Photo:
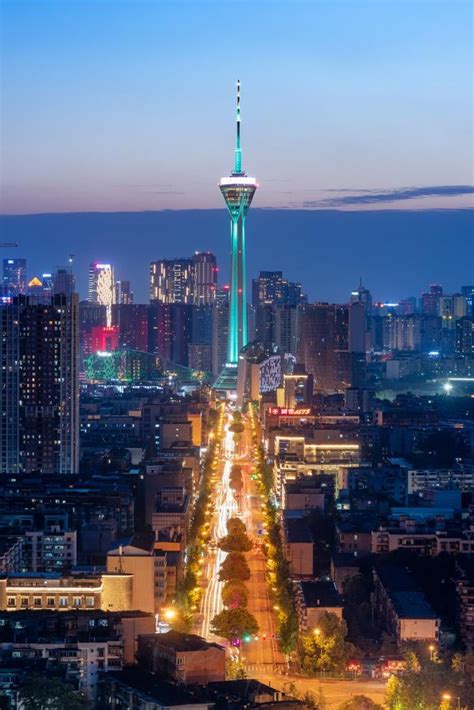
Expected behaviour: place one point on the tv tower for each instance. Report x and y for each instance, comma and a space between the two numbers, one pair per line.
238, 191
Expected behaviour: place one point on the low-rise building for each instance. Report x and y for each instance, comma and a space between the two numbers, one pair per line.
51, 590
184, 658
465, 601
138, 556
402, 607
314, 600
11, 553
134, 688
299, 546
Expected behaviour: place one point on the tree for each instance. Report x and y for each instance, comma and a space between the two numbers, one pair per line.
327, 649
412, 662
41, 693
236, 527
360, 702
235, 670
236, 543
235, 594
233, 624
234, 567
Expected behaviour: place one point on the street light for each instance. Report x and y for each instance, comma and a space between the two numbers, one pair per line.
448, 698
431, 649
317, 631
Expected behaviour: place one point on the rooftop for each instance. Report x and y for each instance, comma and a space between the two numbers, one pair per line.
297, 530
320, 594
179, 641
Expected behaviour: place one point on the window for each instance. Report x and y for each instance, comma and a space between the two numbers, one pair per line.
62, 601
24, 602
11, 601
37, 601
89, 601
180, 661
76, 601
51, 601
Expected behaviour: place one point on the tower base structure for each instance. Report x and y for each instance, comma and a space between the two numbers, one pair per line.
225, 386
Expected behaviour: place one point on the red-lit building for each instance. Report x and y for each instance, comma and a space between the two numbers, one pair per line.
131, 320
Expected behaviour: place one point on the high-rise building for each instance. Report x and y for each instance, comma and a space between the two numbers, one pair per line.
468, 293
91, 315
39, 386
14, 276
123, 292
268, 288
205, 278
362, 295
286, 328
172, 281
132, 322
102, 286
430, 300
238, 190
63, 282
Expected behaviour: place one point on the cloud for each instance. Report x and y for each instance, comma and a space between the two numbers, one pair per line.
368, 197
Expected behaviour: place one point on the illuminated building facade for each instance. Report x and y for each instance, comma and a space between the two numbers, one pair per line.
172, 281
14, 276
39, 385
102, 286
238, 191
205, 278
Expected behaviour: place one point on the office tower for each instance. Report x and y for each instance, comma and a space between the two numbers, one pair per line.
407, 306
286, 328
265, 324
102, 286
91, 315
181, 332
39, 385
14, 276
362, 295
35, 287
63, 282
123, 292
468, 293
430, 300
205, 278
238, 191
220, 331
293, 294
172, 281
159, 330
132, 322
464, 337
170, 328
47, 281
324, 345
269, 288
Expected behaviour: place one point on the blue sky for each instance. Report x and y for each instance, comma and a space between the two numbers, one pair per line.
112, 105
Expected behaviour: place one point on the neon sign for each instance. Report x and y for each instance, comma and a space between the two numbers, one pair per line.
289, 411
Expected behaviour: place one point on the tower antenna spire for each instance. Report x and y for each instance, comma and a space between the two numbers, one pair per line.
238, 151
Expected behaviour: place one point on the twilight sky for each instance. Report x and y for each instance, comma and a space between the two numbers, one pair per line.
111, 105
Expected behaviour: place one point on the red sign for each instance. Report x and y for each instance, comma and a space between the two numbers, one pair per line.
289, 411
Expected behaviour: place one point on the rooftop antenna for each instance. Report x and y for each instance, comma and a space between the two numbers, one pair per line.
238, 151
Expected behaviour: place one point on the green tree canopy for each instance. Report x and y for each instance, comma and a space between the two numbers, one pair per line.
236, 527
236, 543
48, 693
360, 702
326, 649
233, 624
235, 594
234, 567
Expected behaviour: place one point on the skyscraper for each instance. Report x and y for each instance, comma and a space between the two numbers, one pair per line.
14, 276
172, 281
238, 191
102, 287
63, 282
39, 385
205, 278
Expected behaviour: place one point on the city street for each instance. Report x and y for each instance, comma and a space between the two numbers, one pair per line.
262, 657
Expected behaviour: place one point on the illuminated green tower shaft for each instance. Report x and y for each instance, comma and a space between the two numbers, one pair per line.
238, 191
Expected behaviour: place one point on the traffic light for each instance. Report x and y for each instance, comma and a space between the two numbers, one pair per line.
247, 638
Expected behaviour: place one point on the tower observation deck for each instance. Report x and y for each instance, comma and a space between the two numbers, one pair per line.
238, 190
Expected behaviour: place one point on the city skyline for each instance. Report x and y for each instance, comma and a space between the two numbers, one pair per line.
100, 138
